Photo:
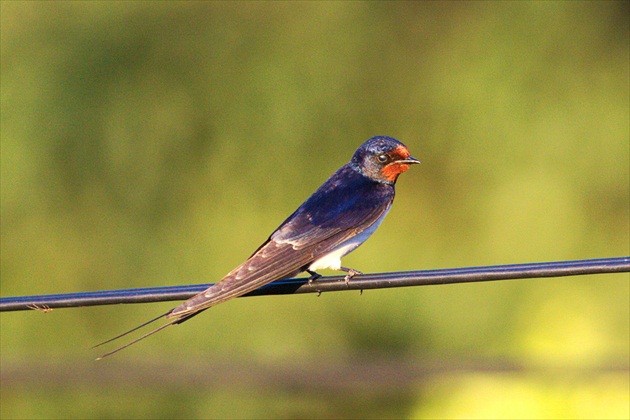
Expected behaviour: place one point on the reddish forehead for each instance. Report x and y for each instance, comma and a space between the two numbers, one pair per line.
400, 152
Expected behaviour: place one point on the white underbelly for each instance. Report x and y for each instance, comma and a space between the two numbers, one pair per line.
332, 260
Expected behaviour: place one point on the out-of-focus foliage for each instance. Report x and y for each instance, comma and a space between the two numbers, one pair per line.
155, 143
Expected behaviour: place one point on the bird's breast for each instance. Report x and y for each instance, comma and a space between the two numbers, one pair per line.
332, 259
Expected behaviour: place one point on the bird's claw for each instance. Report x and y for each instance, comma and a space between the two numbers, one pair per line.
351, 273
314, 276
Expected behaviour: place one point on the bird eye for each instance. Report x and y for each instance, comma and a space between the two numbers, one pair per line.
383, 158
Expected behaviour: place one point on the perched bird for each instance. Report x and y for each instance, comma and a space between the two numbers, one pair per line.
332, 222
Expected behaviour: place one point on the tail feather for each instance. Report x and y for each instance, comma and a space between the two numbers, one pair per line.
132, 330
150, 333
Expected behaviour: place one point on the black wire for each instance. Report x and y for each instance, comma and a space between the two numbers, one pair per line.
328, 284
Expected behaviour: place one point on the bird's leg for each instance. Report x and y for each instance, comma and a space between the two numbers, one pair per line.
351, 273
314, 276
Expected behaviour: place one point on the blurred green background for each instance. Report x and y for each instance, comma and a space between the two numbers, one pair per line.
148, 144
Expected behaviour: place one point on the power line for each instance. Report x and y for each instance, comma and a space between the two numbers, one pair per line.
328, 284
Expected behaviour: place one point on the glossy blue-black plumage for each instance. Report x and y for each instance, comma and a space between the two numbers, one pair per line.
344, 206
334, 220
348, 200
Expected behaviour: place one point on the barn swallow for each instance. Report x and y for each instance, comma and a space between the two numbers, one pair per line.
332, 222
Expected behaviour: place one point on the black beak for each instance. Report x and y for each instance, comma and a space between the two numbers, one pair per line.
409, 160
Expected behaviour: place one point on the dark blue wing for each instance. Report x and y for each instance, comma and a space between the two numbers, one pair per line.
344, 206
347, 201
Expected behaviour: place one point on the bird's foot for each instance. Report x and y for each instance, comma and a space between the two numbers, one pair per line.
351, 273
314, 276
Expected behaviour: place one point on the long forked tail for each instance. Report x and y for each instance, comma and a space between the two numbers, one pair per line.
131, 330
160, 328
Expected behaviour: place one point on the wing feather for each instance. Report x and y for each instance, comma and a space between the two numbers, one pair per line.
335, 213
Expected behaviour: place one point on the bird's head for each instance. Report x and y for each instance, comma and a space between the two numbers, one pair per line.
382, 159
